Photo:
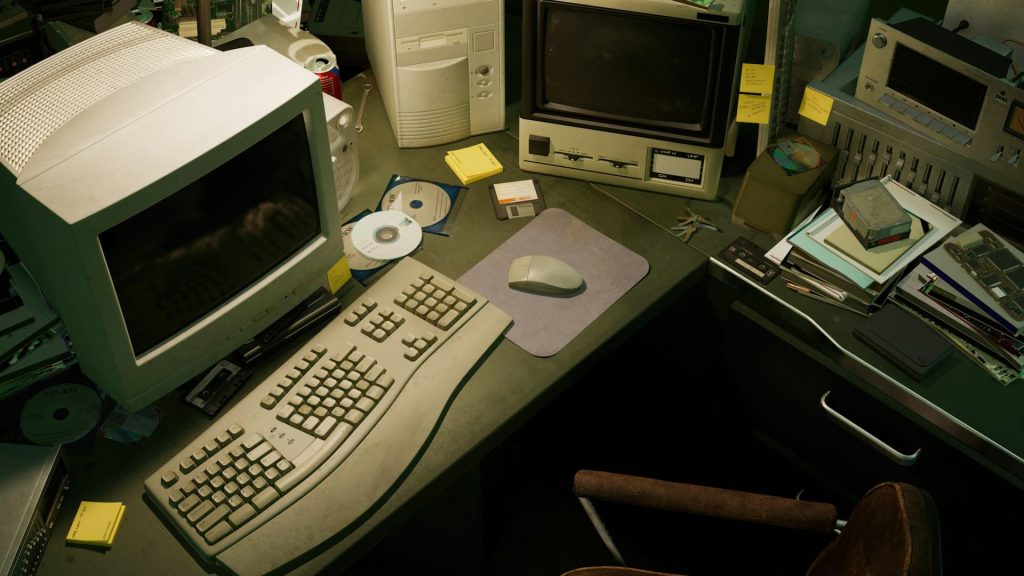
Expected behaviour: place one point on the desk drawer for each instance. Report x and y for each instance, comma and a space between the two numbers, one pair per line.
783, 384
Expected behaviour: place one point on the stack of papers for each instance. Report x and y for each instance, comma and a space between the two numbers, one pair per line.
985, 277
32, 342
96, 523
473, 163
997, 352
878, 265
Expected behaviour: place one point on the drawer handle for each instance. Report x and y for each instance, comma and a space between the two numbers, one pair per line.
889, 452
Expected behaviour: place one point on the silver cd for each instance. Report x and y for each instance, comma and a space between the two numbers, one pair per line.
426, 202
60, 414
386, 235
356, 261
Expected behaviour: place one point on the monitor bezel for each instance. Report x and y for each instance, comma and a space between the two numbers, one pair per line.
69, 239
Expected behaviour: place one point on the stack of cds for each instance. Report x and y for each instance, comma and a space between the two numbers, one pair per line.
408, 208
374, 239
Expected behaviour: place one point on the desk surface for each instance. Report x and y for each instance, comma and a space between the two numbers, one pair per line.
504, 392
969, 410
960, 403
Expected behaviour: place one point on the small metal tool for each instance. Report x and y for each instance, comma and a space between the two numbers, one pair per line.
362, 108
690, 223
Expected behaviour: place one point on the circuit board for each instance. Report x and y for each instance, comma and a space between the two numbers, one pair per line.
179, 16
997, 269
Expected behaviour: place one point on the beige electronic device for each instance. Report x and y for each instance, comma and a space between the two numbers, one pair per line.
948, 87
608, 95
440, 66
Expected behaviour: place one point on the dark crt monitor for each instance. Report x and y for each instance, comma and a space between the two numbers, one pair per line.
638, 93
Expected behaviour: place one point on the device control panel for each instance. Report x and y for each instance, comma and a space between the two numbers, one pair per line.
619, 159
945, 97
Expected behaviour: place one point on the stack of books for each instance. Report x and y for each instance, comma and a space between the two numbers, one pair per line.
33, 342
971, 289
826, 261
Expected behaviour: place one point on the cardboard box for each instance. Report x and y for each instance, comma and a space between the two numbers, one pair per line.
779, 189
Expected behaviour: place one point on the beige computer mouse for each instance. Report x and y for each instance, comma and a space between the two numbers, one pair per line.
543, 275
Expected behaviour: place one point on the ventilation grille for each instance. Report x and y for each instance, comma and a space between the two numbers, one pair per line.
866, 152
425, 128
38, 101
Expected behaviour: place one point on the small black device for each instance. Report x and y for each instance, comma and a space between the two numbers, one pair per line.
217, 387
315, 309
750, 260
905, 340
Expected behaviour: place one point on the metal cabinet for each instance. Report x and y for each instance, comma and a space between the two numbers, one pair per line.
851, 437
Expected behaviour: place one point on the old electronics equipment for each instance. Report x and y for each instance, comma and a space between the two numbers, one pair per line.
440, 66
952, 88
31, 492
173, 210
636, 93
873, 144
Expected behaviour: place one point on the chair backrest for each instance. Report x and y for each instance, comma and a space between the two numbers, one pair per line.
893, 531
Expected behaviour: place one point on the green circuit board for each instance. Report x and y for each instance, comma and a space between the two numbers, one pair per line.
994, 266
179, 16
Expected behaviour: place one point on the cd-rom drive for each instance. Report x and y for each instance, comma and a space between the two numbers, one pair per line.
440, 67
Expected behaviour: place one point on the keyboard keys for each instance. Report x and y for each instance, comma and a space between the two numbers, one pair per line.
265, 498
168, 478
242, 515
200, 510
224, 481
217, 533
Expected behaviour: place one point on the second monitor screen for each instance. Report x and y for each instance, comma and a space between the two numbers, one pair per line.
629, 67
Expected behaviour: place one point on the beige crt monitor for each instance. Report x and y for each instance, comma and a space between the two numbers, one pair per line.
171, 200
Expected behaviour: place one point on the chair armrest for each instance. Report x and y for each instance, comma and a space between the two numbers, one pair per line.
706, 501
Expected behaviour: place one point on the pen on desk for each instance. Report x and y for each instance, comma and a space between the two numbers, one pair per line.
822, 287
805, 291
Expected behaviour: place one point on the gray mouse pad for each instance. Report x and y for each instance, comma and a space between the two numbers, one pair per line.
545, 324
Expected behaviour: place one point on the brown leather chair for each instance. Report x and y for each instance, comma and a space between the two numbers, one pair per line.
893, 530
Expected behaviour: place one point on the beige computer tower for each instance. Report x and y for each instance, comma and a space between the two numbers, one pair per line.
440, 67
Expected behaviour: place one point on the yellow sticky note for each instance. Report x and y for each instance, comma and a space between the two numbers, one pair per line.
816, 106
338, 275
96, 523
753, 109
757, 78
473, 163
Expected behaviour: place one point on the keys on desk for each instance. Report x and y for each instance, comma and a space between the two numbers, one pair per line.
402, 349
690, 222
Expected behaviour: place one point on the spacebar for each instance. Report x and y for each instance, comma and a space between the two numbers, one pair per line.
289, 481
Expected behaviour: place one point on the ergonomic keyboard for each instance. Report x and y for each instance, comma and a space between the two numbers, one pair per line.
312, 449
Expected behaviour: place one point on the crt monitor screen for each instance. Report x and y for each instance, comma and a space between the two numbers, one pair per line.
181, 258
628, 68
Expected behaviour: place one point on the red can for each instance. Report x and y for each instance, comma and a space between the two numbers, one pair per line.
326, 67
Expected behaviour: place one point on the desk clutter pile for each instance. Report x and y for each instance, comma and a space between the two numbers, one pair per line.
965, 287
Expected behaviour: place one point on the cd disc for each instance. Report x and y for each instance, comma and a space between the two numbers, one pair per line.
60, 414
386, 235
356, 261
426, 202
